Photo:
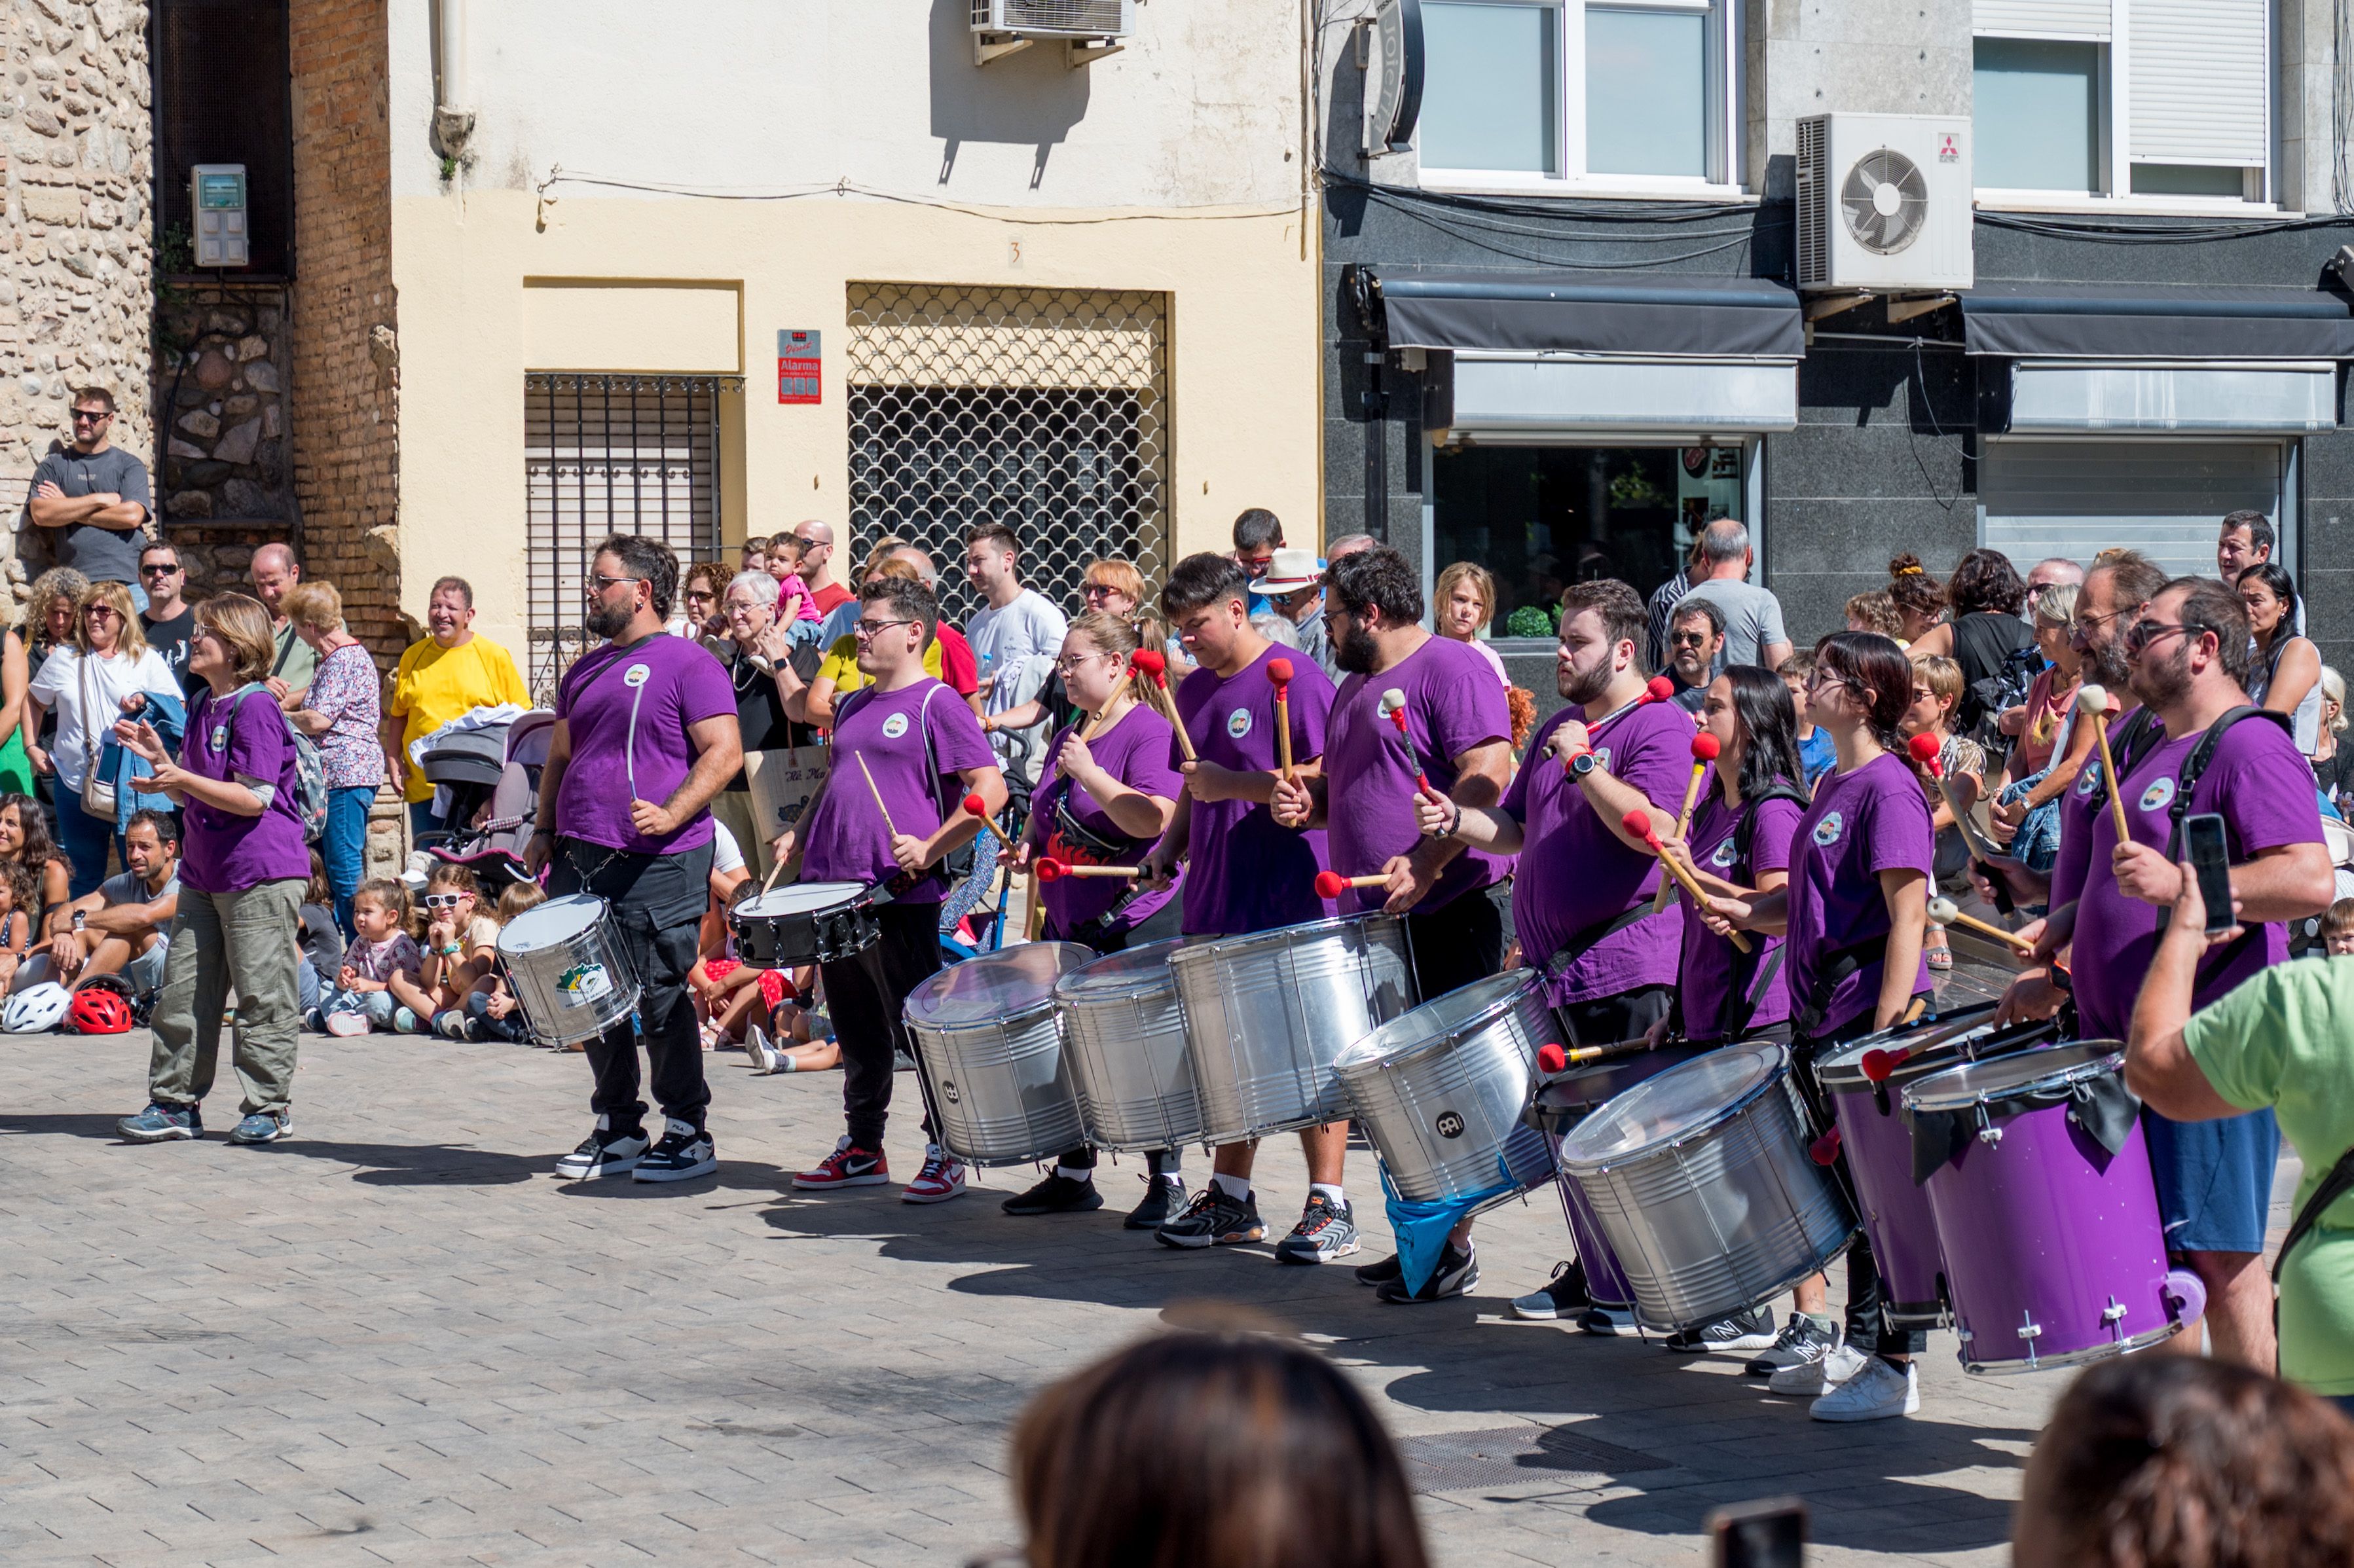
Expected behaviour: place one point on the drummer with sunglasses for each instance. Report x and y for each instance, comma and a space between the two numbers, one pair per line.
645, 735
1104, 801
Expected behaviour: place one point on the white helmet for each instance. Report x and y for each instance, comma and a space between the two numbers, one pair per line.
36, 1010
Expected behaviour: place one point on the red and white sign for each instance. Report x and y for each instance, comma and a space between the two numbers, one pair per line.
800, 367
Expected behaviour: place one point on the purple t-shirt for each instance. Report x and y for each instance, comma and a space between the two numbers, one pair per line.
1452, 703
2262, 789
1246, 872
1706, 975
1574, 873
630, 740
1136, 752
846, 838
1861, 825
244, 734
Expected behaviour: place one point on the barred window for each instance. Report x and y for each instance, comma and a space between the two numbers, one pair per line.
611, 454
1045, 409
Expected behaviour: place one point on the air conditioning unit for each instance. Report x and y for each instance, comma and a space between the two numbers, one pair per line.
1884, 202
1054, 18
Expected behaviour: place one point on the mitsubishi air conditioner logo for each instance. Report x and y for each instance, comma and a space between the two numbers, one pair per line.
1949, 148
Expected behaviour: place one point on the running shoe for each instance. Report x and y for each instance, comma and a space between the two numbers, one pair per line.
766, 1058
604, 1153
262, 1126
1563, 1297
846, 1167
450, 1024
1825, 1372
1874, 1393
1213, 1219
1379, 1274
345, 1025
1457, 1273
1057, 1195
941, 1178
160, 1123
685, 1152
1749, 1330
1324, 1232
1803, 1340
1163, 1196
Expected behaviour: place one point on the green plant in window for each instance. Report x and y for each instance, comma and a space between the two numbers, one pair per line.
1634, 488
1530, 620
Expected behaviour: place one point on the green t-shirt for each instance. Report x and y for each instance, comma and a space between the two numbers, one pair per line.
2286, 1039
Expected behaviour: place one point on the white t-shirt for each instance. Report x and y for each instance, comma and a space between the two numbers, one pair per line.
1028, 628
726, 854
59, 686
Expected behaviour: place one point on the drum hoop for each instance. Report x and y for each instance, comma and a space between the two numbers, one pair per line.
1210, 949
1003, 1023
604, 912
1421, 1050
741, 910
1141, 982
1725, 1114
2101, 1067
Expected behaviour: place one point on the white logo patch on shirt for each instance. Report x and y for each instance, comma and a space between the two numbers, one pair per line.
2159, 794
221, 736
1238, 723
2090, 779
1724, 855
1602, 757
636, 675
1828, 830
895, 726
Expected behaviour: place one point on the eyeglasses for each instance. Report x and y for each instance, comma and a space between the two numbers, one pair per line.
1097, 590
599, 582
1070, 663
1688, 639
158, 568
445, 900
2142, 633
706, 595
98, 611
872, 628
91, 415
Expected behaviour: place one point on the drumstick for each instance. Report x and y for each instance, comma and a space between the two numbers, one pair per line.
1946, 913
1331, 884
2093, 702
1095, 725
878, 794
1149, 664
1055, 870
1555, 1059
1279, 671
1394, 709
1659, 689
1704, 750
1924, 750
1638, 823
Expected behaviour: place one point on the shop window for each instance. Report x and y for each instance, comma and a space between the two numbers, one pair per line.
1541, 518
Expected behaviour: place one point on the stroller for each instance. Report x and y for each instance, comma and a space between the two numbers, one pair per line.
493, 777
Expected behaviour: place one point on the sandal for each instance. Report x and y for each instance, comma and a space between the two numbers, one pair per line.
1936, 952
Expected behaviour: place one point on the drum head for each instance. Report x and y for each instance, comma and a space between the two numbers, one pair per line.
547, 925
1969, 1034
1448, 1017
2006, 1078
1680, 1101
994, 985
1139, 971
799, 899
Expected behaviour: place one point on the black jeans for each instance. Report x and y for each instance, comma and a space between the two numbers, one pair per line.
1456, 945
1608, 1020
657, 903
1161, 925
866, 1021
1866, 1292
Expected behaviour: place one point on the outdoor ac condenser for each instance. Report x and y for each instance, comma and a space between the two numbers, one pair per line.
1054, 18
1884, 202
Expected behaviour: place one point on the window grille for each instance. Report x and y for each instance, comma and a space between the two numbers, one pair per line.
1045, 409
611, 454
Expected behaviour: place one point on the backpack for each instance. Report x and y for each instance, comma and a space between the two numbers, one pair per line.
310, 773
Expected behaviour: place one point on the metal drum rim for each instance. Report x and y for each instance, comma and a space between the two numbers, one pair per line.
604, 909
1936, 1102
1002, 1025
1144, 983
1209, 949
1669, 1140
1365, 1057
2069, 1359
1841, 1073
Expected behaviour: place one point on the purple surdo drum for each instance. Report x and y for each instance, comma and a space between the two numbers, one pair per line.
1862, 1081
2039, 1185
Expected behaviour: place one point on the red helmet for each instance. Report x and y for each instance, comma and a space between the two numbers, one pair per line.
98, 1011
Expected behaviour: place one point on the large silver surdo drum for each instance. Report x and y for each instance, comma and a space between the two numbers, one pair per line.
989, 1040
1266, 1014
1440, 1091
1124, 1036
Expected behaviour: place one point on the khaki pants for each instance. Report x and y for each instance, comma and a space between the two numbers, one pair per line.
219, 940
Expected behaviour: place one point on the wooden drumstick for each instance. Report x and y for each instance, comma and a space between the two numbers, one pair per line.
1278, 672
1924, 750
1638, 823
2093, 703
878, 794
1154, 667
1945, 912
1556, 1059
1055, 870
1095, 725
1331, 884
1704, 750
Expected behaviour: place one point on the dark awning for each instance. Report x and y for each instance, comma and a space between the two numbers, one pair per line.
2140, 321
1639, 314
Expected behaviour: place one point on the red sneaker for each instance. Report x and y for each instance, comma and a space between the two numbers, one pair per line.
942, 1177
846, 1167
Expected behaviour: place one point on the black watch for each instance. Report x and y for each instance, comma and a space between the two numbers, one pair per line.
1583, 763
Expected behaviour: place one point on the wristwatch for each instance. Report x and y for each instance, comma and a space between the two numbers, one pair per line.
1583, 763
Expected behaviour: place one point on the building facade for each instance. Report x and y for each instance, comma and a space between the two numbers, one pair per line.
1565, 323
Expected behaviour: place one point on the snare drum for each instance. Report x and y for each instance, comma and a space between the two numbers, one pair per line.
1440, 1091
990, 1042
807, 922
1125, 1037
2054, 1251
1701, 1183
569, 972
1266, 1014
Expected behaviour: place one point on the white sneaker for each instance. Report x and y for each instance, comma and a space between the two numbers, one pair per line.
1810, 1378
1875, 1393
766, 1057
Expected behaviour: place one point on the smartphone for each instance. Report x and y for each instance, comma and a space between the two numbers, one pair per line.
2211, 858
1770, 1534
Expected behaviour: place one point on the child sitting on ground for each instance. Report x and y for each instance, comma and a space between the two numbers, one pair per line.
363, 996
20, 894
461, 942
491, 1012
321, 939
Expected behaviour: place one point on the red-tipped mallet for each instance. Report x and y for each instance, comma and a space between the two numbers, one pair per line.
1638, 824
1394, 709
1279, 675
1704, 750
1154, 665
1055, 870
1658, 689
1552, 1059
1331, 884
1925, 750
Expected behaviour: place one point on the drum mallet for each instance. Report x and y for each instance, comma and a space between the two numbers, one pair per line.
1553, 1059
1055, 870
1331, 884
1924, 750
1946, 913
1638, 824
2093, 703
1278, 675
877, 792
1394, 709
1150, 663
1095, 725
1704, 750
1659, 689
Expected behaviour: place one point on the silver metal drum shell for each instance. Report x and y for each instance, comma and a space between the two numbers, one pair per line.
1132, 1066
533, 975
1003, 1090
1443, 1119
1728, 1216
1266, 1014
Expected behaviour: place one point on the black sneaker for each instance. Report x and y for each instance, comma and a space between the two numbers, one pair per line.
1213, 1219
1163, 1196
685, 1152
1563, 1296
1057, 1195
1378, 1274
1802, 1342
1457, 1273
1323, 1232
604, 1153
1749, 1330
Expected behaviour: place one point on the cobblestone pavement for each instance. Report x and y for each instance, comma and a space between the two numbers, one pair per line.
396, 1338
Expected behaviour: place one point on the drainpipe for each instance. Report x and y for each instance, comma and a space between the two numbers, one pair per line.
453, 121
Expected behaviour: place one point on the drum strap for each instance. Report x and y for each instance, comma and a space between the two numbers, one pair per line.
1580, 942
1842, 963
1741, 1002
2194, 767
2334, 1186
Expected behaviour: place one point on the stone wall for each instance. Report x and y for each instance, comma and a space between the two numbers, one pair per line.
222, 373
75, 237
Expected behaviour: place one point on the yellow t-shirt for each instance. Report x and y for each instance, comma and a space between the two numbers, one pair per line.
435, 684
841, 665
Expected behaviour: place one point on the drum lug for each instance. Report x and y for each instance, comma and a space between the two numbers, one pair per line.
2112, 1317
1988, 1134
2030, 1331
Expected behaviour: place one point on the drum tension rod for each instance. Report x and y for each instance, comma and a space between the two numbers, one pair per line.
2030, 1331
2112, 1317
1988, 1134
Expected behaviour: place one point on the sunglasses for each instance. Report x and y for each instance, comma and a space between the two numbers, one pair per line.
445, 900
98, 611
1687, 640
2142, 633
158, 568
86, 417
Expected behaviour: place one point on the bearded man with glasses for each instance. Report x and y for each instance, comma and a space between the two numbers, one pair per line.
94, 497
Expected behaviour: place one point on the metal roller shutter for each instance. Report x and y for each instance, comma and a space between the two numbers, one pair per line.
2075, 498
2199, 82
2043, 18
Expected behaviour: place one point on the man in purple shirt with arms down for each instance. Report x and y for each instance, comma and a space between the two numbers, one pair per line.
645, 735
1457, 745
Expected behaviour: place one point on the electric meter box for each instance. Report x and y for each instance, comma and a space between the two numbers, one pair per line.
217, 197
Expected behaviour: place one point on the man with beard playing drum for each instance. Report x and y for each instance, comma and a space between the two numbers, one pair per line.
913, 752
1108, 792
1418, 717
1244, 873
645, 735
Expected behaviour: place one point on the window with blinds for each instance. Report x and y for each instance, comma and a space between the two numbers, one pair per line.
611, 454
2075, 499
